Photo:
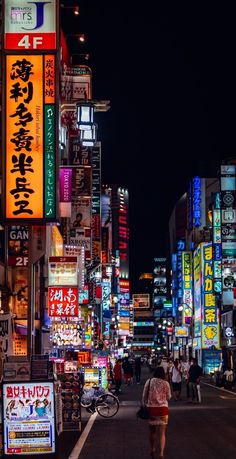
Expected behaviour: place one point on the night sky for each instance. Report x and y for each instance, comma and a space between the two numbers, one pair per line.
170, 76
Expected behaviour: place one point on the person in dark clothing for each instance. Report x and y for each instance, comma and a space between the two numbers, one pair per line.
117, 373
137, 369
194, 375
128, 371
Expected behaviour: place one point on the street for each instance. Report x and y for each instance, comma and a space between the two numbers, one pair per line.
196, 431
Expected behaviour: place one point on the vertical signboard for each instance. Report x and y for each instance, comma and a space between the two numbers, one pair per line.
217, 252
187, 287
24, 137
197, 291
210, 316
228, 232
123, 232
30, 110
96, 203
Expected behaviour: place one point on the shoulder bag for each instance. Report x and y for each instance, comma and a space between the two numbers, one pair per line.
143, 413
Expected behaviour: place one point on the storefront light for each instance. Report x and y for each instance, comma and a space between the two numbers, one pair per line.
88, 137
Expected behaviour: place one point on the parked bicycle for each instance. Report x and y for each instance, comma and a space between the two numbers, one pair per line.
98, 399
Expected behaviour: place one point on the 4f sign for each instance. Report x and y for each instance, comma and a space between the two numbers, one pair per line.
30, 25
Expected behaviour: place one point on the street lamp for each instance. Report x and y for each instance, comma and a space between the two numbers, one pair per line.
85, 112
88, 137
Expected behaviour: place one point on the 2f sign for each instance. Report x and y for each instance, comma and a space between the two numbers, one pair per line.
28, 42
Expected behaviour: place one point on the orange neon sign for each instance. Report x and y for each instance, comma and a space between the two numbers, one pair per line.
24, 137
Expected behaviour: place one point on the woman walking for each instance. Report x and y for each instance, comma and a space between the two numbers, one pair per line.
156, 394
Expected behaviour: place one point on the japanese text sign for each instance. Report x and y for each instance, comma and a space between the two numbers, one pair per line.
28, 418
210, 317
63, 301
30, 25
30, 137
187, 287
62, 271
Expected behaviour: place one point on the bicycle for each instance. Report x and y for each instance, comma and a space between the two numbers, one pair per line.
106, 404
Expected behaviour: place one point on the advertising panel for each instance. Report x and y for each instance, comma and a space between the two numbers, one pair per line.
141, 300
181, 332
66, 333
6, 334
62, 271
30, 137
63, 302
197, 291
30, 25
81, 237
81, 213
18, 245
210, 316
187, 287
28, 418
65, 181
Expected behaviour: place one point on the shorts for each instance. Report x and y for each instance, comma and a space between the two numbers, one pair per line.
176, 386
159, 421
158, 416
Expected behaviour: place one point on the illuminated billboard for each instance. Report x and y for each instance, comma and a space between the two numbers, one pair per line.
197, 291
187, 287
28, 418
63, 301
30, 159
210, 315
30, 25
141, 300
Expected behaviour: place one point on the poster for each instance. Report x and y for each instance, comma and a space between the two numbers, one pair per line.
5, 334
28, 418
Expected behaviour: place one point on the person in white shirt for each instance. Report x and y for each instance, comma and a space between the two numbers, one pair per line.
164, 364
176, 378
228, 378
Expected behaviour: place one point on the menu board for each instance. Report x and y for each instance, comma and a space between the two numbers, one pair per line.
71, 407
28, 418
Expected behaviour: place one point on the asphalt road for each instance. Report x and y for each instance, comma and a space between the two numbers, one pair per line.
200, 431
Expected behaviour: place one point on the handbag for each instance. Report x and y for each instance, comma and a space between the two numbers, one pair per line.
143, 412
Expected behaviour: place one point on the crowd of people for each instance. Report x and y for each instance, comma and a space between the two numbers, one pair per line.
125, 370
166, 380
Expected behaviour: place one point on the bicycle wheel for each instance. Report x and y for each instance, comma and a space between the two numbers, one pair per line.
107, 405
85, 402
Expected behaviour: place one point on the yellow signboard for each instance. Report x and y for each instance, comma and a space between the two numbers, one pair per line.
24, 137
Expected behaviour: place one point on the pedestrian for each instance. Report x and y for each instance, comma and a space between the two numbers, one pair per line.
194, 375
159, 393
184, 367
176, 378
137, 369
164, 364
228, 378
117, 371
128, 371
